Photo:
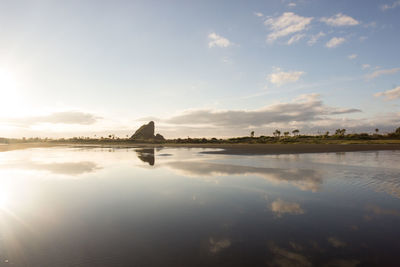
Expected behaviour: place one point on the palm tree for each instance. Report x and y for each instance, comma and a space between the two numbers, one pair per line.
277, 133
295, 132
252, 134
376, 130
340, 132
286, 134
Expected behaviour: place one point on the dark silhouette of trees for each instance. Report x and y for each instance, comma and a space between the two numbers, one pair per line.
340, 132
277, 133
286, 134
296, 132
252, 134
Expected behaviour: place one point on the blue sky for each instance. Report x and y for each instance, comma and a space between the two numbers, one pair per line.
198, 68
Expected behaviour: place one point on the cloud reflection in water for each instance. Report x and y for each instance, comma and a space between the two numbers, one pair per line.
280, 207
304, 179
64, 168
218, 245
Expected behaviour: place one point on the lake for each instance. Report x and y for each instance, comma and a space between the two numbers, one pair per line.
82, 206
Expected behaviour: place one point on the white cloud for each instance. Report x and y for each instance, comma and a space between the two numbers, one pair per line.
372, 24
295, 38
227, 60
286, 24
200, 123
306, 108
363, 38
307, 113
258, 14
382, 72
340, 20
390, 94
334, 42
65, 117
393, 5
292, 4
280, 77
365, 66
314, 38
217, 40
352, 56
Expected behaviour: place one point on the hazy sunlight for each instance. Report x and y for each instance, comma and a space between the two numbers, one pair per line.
199, 133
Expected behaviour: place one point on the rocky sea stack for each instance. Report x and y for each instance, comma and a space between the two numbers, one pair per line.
146, 133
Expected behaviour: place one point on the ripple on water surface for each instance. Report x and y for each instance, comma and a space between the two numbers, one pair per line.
178, 207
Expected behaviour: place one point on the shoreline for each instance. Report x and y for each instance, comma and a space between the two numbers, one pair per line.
277, 149
228, 149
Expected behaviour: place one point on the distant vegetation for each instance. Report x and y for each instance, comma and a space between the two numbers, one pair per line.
294, 137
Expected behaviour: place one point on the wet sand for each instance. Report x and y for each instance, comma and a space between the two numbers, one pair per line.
268, 149
232, 149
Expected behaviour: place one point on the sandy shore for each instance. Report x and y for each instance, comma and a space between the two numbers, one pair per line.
234, 149
268, 149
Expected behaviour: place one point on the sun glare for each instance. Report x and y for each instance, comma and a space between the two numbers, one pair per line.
8, 81
8, 90
3, 200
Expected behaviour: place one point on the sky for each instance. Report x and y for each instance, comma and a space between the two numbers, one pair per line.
198, 68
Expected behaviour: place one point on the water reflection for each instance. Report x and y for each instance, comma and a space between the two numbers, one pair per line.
121, 214
216, 245
65, 168
283, 257
381, 211
305, 179
146, 155
335, 242
281, 207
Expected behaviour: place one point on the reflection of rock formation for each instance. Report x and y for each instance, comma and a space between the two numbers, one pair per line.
146, 155
301, 178
146, 132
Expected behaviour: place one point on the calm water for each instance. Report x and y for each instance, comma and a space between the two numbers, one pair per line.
180, 207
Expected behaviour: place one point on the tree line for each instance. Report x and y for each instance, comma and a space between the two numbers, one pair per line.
277, 136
